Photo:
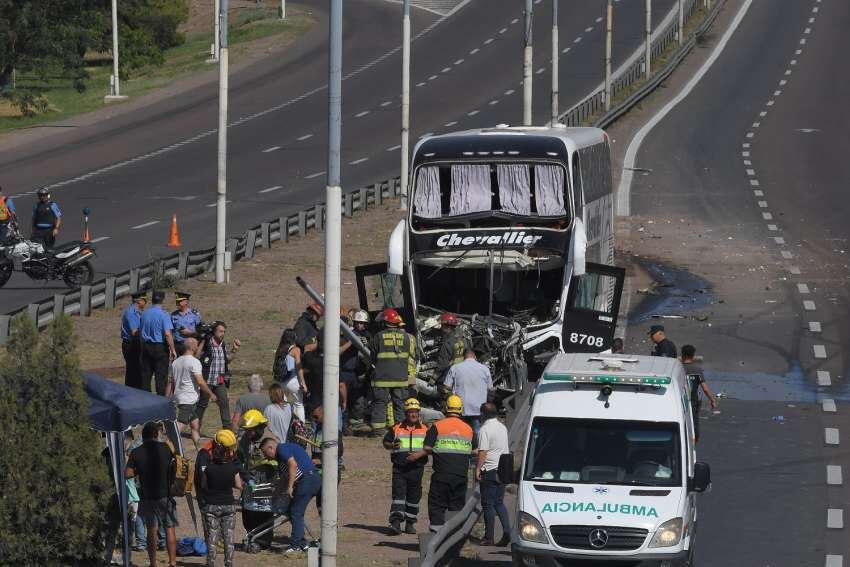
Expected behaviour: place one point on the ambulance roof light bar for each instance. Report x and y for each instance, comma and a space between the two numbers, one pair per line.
603, 379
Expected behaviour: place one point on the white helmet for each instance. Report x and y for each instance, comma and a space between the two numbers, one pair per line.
361, 317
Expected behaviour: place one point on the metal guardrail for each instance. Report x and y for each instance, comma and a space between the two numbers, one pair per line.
106, 292
594, 103
437, 548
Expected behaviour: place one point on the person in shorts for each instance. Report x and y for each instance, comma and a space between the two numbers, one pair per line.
187, 381
153, 463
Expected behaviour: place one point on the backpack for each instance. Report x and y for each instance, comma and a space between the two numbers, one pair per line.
184, 476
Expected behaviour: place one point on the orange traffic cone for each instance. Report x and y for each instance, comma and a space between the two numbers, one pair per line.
174, 241
86, 235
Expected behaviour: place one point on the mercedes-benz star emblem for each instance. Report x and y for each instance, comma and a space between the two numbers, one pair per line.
598, 539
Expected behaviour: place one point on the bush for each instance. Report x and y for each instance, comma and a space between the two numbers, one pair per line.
54, 486
146, 29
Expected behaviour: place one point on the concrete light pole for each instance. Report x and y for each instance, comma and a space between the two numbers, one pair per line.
333, 256
648, 54
115, 88
221, 260
405, 101
609, 28
528, 62
555, 54
282, 9
681, 33
216, 48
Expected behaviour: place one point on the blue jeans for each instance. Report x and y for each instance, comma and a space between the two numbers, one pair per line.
492, 502
474, 421
141, 533
305, 489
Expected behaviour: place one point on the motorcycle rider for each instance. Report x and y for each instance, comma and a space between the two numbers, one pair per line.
46, 219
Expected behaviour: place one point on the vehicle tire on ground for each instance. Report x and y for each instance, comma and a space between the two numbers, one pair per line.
6, 269
79, 274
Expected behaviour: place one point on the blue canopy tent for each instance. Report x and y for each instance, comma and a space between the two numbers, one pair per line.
113, 409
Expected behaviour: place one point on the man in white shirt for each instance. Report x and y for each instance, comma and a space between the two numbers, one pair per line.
470, 380
492, 444
187, 381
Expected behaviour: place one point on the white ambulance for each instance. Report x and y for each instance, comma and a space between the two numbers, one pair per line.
609, 470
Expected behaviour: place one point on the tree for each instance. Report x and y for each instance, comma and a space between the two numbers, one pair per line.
54, 486
146, 28
46, 38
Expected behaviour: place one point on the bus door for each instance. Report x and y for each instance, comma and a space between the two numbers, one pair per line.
377, 289
593, 305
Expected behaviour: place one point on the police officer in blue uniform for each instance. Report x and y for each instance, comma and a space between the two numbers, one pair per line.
131, 340
46, 219
157, 344
184, 318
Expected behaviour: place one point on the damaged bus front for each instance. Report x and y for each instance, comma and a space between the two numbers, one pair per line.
511, 229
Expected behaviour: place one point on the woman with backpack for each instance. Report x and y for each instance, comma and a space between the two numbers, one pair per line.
288, 371
218, 479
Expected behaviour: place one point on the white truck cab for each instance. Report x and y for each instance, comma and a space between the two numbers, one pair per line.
608, 471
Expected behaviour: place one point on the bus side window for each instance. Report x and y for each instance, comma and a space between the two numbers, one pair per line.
578, 193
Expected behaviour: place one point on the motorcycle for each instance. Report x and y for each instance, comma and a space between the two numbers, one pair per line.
69, 261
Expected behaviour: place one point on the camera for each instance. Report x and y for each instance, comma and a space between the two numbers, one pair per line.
203, 328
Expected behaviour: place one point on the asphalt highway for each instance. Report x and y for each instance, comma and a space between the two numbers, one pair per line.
135, 171
755, 160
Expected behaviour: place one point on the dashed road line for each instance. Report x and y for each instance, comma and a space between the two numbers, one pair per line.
450, 124
802, 288
474, 51
393, 148
824, 378
271, 149
386, 103
144, 225
809, 305
509, 92
830, 435
833, 475
305, 137
815, 327
358, 161
270, 189
314, 175
99, 239
362, 114
819, 351
834, 561
828, 405
472, 112
794, 270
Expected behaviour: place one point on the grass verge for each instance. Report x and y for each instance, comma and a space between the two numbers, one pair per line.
249, 27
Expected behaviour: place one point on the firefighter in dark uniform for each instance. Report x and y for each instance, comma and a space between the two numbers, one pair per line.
307, 326
394, 357
184, 318
46, 219
452, 347
257, 502
450, 442
663, 346
403, 439
131, 340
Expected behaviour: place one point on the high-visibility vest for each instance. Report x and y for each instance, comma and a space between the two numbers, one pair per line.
454, 436
410, 438
4, 209
395, 359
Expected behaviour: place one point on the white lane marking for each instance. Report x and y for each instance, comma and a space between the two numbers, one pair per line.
358, 161
576, 40
474, 51
798, 52
211, 205
758, 193
144, 225
541, 70
270, 189
756, 124
807, 30
566, 50
393, 148
828, 405
515, 20
787, 255
831, 437
271, 149
793, 62
362, 114
432, 77
779, 240
834, 516
809, 305
305, 137
795, 271
503, 30
819, 350
446, 69
385, 103
587, 30
754, 182
473, 112
488, 41
772, 227
834, 561
494, 102
99, 239
824, 379
763, 113
803, 288
750, 134
422, 84
803, 41
751, 172
426, 135
747, 162
777, 93
624, 190
783, 82
745, 145
767, 216
833, 474
459, 62
450, 124
763, 204
814, 326
509, 92
770, 103
597, 20
745, 154
313, 175
787, 72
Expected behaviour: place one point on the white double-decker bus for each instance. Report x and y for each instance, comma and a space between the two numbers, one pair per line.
511, 229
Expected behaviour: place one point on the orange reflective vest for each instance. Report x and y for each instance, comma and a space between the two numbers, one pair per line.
5, 214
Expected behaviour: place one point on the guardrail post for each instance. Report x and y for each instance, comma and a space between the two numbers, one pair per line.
266, 235
85, 300
364, 198
302, 223
32, 312
348, 205
134, 280
284, 229
58, 305
183, 265
251, 243
394, 187
379, 194
232, 245
109, 292
5, 328
320, 218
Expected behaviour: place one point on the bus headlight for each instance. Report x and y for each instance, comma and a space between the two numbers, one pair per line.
530, 529
668, 534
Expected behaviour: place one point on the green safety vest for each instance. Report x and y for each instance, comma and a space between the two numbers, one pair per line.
394, 355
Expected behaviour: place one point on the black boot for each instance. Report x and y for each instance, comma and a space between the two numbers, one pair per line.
410, 528
395, 527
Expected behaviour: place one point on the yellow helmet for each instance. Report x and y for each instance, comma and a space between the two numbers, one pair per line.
412, 404
454, 404
253, 418
226, 438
